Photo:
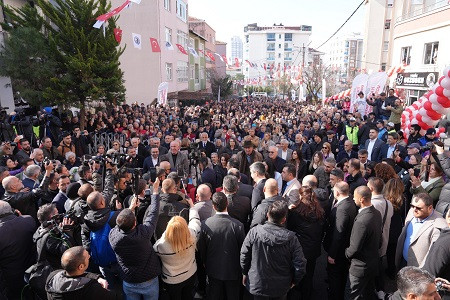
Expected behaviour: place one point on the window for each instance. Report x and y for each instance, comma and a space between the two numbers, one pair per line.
202, 52
288, 37
406, 55
430, 53
197, 74
168, 72
270, 37
270, 46
387, 24
167, 5
385, 46
271, 56
182, 71
383, 67
182, 39
279, 55
191, 43
168, 35
279, 46
181, 10
279, 36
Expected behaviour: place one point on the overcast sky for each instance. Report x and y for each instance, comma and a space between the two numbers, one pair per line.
229, 17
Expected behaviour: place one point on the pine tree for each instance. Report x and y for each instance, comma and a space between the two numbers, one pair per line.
87, 59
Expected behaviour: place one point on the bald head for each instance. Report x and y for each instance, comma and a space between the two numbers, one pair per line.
203, 192
95, 201
168, 186
75, 260
310, 181
85, 190
270, 188
12, 184
165, 165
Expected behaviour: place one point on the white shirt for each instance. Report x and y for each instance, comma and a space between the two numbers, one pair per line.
154, 161
284, 154
370, 148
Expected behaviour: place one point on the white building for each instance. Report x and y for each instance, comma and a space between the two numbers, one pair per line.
420, 42
345, 55
236, 48
276, 45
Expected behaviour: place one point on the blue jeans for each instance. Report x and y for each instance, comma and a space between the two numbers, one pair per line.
148, 290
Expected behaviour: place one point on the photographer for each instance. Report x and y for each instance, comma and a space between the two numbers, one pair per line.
81, 141
24, 126
396, 112
54, 236
25, 202
85, 173
50, 125
432, 185
50, 151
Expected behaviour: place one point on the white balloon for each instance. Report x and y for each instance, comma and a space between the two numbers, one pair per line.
433, 98
423, 111
414, 121
446, 93
445, 83
442, 135
438, 108
427, 120
407, 131
447, 72
434, 87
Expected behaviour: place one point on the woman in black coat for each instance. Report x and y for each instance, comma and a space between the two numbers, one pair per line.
306, 218
301, 166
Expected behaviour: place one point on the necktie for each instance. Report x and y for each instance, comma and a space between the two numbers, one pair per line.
283, 187
334, 202
204, 145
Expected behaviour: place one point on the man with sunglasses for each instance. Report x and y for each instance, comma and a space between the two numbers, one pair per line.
422, 228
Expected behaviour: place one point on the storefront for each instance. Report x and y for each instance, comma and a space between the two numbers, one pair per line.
415, 84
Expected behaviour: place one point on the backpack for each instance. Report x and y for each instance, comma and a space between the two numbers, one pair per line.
101, 251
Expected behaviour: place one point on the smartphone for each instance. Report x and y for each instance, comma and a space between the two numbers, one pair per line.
416, 172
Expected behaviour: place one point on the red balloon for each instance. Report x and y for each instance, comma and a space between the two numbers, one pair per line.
444, 101
427, 105
440, 79
419, 118
428, 94
423, 125
433, 115
415, 105
439, 91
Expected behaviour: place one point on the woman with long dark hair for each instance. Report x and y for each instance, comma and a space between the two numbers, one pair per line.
306, 218
300, 164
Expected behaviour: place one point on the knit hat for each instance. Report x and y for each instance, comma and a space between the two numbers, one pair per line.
72, 190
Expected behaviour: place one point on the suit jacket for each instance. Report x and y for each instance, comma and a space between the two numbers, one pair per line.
59, 201
421, 242
292, 191
142, 151
376, 150
30, 183
365, 240
209, 148
182, 163
219, 244
239, 207
148, 165
209, 176
340, 223
289, 154
137, 162
205, 209
342, 154
385, 147
277, 164
257, 193
245, 190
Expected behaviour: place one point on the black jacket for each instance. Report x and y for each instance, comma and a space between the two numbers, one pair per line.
95, 220
260, 213
272, 259
81, 144
340, 223
309, 232
355, 181
18, 252
258, 194
245, 190
443, 204
219, 244
134, 251
55, 245
239, 208
438, 258
365, 241
59, 286
210, 148
170, 206
27, 202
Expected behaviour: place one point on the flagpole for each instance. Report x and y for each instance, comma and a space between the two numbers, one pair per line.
218, 95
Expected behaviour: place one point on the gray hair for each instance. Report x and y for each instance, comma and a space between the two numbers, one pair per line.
330, 160
37, 150
7, 181
32, 170
413, 280
230, 183
70, 154
5, 207
284, 141
258, 168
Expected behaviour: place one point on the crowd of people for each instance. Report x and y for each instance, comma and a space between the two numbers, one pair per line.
230, 200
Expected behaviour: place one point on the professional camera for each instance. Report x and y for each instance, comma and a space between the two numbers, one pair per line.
194, 154
46, 161
430, 146
116, 159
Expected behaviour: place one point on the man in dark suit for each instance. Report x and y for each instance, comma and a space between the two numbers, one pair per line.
135, 161
219, 244
61, 198
347, 153
258, 173
152, 161
270, 196
207, 174
365, 240
140, 149
178, 161
337, 239
239, 207
206, 145
244, 189
274, 160
388, 149
373, 145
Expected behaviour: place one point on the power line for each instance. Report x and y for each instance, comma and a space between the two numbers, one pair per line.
342, 24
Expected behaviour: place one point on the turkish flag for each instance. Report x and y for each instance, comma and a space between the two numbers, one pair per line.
210, 55
118, 34
155, 45
236, 62
181, 49
265, 68
225, 59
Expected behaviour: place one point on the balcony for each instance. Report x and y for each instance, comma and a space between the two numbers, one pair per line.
423, 10
287, 49
270, 49
288, 58
271, 58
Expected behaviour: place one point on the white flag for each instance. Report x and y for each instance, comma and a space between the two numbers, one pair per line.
169, 46
192, 51
98, 24
136, 1
137, 43
220, 56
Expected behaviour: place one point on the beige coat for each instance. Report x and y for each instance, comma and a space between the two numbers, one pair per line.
422, 241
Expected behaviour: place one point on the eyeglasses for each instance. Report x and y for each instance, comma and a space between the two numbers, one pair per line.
325, 148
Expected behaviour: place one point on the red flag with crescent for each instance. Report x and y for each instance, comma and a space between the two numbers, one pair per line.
118, 34
155, 45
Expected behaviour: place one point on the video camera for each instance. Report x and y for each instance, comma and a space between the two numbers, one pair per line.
430, 146
194, 154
